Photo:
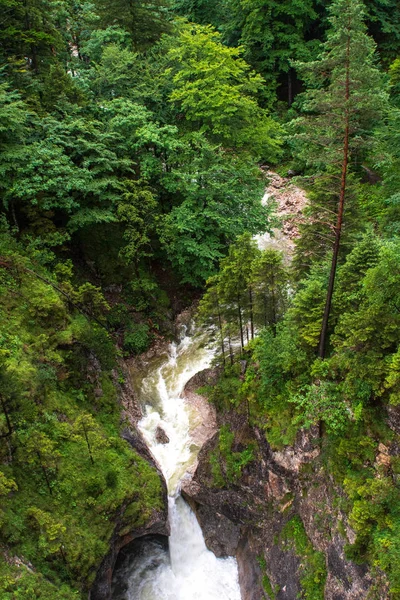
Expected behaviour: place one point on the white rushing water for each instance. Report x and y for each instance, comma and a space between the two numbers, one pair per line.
187, 571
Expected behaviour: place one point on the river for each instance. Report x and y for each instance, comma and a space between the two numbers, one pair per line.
185, 569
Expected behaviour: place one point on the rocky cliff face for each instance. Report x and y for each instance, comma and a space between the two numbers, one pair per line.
282, 518
125, 530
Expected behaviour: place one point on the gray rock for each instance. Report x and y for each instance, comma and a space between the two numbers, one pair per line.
161, 436
393, 418
252, 513
221, 535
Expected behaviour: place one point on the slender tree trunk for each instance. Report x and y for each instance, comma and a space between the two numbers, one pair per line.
221, 331
339, 220
251, 313
62, 552
32, 46
240, 322
265, 310
230, 345
14, 216
44, 472
274, 311
88, 444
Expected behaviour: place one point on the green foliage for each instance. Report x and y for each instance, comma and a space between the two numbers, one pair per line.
274, 34
267, 586
145, 20
345, 100
215, 88
137, 211
136, 339
286, 387
250, 291
226, 394
221, 200
29, 34
19, 582
227, 464
394, 73
70, 472
313, 569
128, 146
324, 103
322, 401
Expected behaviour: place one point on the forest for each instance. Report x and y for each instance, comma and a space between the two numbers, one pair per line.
134, 140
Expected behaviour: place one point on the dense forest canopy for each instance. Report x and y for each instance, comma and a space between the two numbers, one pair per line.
132, 133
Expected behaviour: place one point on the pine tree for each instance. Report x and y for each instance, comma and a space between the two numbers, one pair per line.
145, 20
211, 312
236, 283
345, 100
28, 36
273, 33
269, 281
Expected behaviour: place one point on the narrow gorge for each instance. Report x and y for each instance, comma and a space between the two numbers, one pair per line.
280, 519
169, 426
199, 300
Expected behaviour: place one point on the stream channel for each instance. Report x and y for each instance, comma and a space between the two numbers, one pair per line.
183, 569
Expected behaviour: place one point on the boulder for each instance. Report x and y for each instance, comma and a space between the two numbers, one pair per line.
161, 436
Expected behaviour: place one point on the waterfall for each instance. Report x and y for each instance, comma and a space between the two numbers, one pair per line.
188, 570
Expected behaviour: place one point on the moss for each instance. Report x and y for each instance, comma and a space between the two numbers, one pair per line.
342, 529
71, 474
313, 569
267, 587
18, 582
226, 464
266, 583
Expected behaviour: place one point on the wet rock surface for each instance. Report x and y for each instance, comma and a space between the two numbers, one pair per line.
289, 201
393, 418
204, 423
220, 533
161, 436
250, 572
156, 524
274, 489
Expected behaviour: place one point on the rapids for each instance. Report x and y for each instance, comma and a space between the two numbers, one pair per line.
186, 570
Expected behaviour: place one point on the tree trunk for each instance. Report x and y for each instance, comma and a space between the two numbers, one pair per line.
251, 313
339, 220
44, 472
265, 310
274, 315
88, 444
240, 322
221, 331
230, 345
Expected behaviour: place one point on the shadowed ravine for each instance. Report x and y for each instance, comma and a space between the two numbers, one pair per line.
186, 569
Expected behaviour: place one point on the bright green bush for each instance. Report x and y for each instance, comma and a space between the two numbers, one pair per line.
137, 338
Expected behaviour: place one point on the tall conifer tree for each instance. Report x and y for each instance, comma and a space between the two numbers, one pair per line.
345, 101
